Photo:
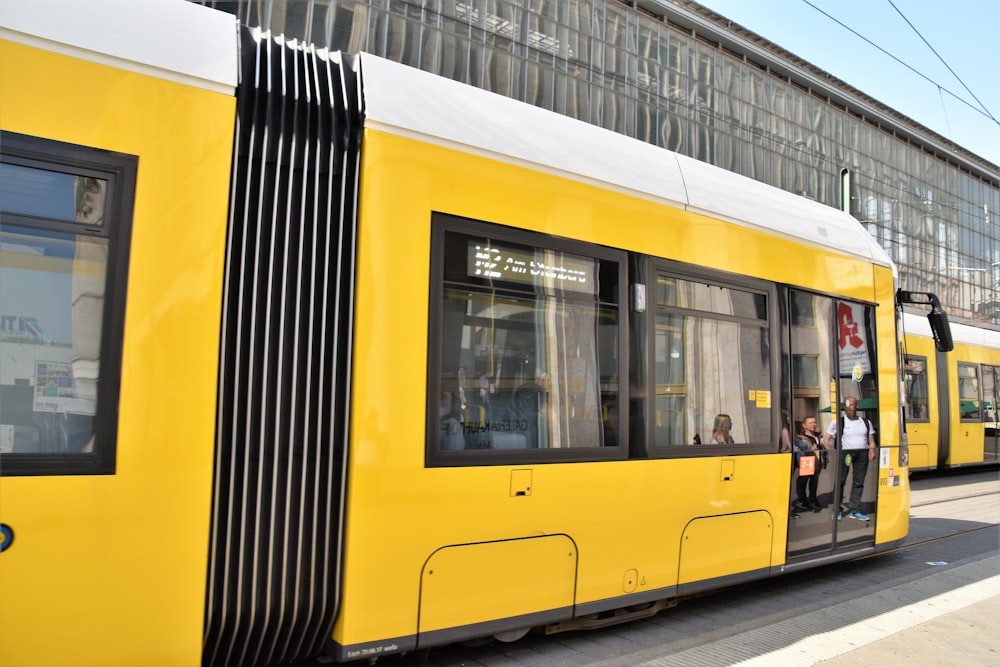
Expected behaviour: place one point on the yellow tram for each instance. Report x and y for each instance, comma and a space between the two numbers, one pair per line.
314, 353
951, 397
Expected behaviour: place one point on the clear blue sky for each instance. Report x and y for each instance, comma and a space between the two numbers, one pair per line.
964, 33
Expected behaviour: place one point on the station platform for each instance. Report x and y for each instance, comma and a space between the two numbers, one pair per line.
957, 624
966, 635
944, 616
951, 619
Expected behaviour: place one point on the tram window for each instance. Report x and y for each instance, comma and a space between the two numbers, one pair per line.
64, 224
915, 381
712, 364
528, 359
968, 392
990, 395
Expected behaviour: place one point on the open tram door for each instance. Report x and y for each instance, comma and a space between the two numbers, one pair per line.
832, 352
991, 393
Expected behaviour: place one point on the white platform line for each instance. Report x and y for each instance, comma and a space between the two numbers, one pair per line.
847, 625
830, 644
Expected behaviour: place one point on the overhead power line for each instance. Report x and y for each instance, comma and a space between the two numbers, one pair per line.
982, 112
985, 110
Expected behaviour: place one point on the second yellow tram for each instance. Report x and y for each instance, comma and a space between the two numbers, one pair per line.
951, 396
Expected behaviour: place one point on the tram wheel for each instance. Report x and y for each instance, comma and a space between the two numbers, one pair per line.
511, 635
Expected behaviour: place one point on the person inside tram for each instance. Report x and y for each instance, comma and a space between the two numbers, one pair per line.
528, 407
449, 410
786, 431
858, 448
478, 414
611, 425
721, 430
460, 396
808, 444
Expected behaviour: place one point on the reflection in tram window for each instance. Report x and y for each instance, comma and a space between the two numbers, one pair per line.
802, 308
990, 398
53, 285
712, 354
528, 350
915, 380
60, 214
968, 392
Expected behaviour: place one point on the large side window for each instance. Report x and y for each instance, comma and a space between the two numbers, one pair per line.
525, 358
65, 218
915, 381
968, 392
712, 364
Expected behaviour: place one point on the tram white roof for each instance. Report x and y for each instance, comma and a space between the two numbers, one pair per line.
917, 325
178, 41
411, 102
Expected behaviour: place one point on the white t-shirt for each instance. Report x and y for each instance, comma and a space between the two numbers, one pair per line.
854, 432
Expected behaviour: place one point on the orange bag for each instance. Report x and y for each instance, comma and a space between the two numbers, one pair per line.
807, 466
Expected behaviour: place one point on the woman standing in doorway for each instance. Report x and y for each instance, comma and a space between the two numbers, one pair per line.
808, 443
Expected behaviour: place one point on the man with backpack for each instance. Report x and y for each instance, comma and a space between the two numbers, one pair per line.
857, 442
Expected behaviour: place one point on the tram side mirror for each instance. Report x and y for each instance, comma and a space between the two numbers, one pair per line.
941, 329
937, 318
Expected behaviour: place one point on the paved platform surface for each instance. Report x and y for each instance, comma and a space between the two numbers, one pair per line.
967, 637
942, 619
957, 626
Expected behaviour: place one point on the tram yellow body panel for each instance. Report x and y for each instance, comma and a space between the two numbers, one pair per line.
92, 551
628, 515
924, 436
893, 522
967, 437
394, 232
476, 583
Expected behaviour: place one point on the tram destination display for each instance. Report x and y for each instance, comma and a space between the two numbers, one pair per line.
531, 267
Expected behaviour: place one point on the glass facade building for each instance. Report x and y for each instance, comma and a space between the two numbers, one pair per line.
679, 76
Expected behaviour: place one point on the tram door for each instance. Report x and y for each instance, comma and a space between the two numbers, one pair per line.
854, 475
991, 386
831, 357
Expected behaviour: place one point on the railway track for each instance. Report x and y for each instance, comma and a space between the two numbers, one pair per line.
966, 495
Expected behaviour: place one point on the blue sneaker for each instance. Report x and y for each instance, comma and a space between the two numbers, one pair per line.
840, 515
859, 516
